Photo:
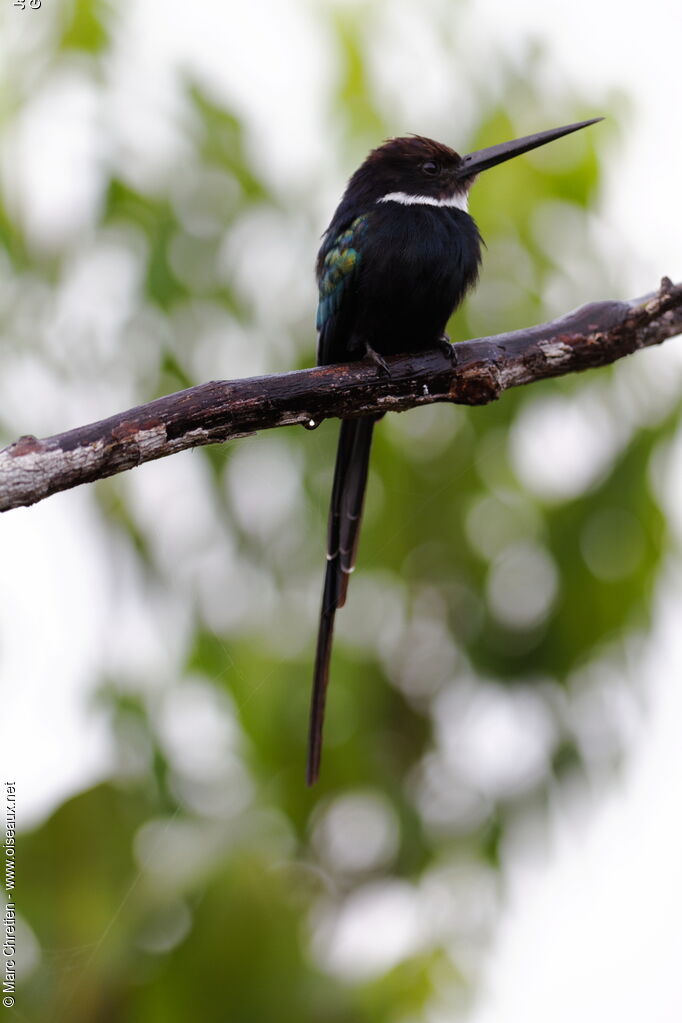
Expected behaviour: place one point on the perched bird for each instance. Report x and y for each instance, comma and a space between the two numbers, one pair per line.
397, 259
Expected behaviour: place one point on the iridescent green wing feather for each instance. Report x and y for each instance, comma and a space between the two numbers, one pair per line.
337, 271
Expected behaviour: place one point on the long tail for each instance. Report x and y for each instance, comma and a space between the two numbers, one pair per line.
345, 515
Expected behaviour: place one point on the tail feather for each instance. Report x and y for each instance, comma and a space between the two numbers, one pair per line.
345, 516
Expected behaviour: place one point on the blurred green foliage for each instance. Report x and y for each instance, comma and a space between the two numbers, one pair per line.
84, 25
170, 892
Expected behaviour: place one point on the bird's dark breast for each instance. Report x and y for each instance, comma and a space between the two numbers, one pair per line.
417, 263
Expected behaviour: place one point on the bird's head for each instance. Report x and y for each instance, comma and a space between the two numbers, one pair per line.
415, 167
418, 170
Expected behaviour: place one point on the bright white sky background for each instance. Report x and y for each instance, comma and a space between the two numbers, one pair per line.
591, 931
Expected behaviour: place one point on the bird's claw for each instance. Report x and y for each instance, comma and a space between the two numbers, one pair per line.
448, 349
378, 360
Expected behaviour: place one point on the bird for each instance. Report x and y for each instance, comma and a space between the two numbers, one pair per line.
399, 255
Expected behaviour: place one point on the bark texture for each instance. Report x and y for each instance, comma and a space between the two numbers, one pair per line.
594, 335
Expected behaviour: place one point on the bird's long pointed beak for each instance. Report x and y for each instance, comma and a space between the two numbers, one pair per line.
482, 159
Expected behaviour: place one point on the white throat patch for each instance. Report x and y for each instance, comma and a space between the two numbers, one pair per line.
458, 201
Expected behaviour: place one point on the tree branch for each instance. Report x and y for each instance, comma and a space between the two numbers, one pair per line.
594, 335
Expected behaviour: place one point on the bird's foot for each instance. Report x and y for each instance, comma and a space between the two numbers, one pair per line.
448, 349
378, 360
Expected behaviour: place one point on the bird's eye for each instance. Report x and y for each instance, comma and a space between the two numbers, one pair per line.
430, 167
